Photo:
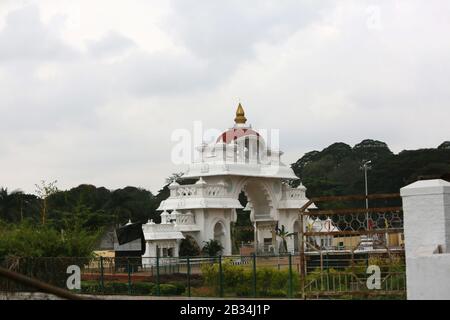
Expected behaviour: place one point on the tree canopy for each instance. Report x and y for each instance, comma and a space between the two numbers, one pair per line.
85, 210
336, 170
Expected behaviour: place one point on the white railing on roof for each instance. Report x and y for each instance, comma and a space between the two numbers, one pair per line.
294, 194
198, 190
185, 218
157, 227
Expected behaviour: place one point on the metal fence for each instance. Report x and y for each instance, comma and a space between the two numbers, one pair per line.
346, 253
223, 276
338, 246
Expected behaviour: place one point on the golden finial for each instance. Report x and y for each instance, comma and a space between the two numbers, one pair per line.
240, 115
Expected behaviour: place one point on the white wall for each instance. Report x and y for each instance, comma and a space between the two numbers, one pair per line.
211, 217
428, 277
426, 206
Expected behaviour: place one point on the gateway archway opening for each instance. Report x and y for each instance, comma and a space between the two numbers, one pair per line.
219, 233
260, 206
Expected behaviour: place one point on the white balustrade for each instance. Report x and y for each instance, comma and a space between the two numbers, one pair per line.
185, 218
157, 227
294, 194
198, 190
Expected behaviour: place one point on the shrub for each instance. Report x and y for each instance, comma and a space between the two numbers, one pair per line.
203, 292
143, 288
137, 288
276, 293
180, 287
238, 280
212, 248
189, 247
116, 288
28, 240
166, 290
90, 287
271, 282
244, 291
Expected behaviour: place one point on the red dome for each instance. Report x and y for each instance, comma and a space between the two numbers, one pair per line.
236, 133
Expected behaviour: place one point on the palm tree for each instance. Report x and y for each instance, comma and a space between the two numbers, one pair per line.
9, 202
283, 234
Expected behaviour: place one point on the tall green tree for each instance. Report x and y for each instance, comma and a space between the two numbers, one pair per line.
44, 190
11, 205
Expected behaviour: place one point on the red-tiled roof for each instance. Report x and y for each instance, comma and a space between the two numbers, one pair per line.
236, 133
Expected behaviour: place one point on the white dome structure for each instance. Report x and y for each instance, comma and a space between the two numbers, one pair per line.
239, 160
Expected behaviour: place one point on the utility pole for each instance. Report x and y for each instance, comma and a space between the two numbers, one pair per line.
365, 166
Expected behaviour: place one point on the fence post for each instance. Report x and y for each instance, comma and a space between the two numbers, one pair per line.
301, 254
102, 283
188, 276
220, 277
290, 276
129, 275
158, 289
254, 275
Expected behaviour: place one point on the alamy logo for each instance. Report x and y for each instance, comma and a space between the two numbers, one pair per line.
374, 280
74, 280
188, 143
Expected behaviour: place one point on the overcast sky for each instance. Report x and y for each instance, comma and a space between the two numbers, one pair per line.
91, 91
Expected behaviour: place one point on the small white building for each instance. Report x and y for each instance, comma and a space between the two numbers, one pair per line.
324, 241
239, 160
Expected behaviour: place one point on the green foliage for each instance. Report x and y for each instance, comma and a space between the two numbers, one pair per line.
16, 206
332, 171
353, 278
137, 288
170, 289
444, 145
121, 288
238, 281
143, 288
91, 287
212, 248
28, 240
189, 247
336, 169
105, 206
90, 207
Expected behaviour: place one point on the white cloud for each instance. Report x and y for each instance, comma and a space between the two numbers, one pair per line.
91, 92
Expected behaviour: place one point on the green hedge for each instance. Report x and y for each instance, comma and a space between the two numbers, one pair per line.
137, 288
238, 281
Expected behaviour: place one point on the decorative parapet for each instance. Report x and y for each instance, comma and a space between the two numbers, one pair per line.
160, 227
293, 194
198, 191
187, 218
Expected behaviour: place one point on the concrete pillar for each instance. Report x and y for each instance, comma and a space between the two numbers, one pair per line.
176, 248
148, 259
227, 246
426, 207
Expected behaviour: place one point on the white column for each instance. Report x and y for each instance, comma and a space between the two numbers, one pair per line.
148, 259
175, 249
227, 238
255, 237
426, 206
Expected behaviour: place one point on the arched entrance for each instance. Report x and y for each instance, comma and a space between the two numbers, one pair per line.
260, 206
219, 233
